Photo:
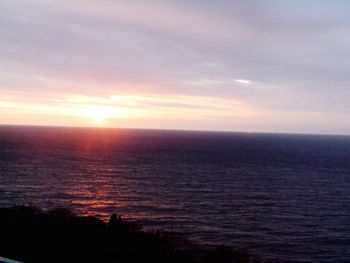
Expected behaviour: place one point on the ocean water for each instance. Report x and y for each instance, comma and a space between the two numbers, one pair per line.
279, 196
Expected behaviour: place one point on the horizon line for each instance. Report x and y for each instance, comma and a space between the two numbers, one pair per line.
175, 130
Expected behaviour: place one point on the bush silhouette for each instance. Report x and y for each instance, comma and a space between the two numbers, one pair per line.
31, 235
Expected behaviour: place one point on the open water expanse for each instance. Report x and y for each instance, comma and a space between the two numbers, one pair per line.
279, 196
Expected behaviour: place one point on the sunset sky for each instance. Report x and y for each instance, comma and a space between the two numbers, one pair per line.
264, 66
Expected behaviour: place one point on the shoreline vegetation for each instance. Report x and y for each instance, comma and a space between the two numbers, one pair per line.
32, 235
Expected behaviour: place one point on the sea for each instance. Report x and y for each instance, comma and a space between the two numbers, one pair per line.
280, 196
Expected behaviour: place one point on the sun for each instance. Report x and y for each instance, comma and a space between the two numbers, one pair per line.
100, 114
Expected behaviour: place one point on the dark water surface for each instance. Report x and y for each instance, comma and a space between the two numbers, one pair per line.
280, 196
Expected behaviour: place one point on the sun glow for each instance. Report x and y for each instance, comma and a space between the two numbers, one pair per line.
101, 114
123, 110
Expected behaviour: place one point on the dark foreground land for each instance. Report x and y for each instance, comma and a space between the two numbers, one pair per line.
33, 236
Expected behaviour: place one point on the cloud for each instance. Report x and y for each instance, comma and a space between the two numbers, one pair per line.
243, 81
272, 56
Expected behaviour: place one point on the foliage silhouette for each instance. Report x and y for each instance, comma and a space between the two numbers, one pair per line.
31, 235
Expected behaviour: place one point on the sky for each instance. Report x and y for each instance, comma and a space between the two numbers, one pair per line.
253, 66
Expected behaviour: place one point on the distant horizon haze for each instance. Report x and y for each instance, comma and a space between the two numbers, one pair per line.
175, 130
